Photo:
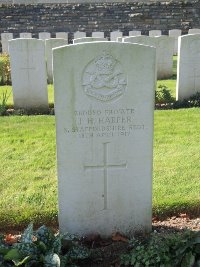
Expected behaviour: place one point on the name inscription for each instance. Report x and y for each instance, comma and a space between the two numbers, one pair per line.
104, 123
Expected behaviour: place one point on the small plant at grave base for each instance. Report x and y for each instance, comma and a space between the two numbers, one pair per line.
42, 248
192, 101
5, 74
163, 95
3, 103
173, 250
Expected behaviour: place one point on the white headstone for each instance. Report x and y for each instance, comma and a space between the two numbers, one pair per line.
188, 69
134, 33
28, 72
193, 31
44, 35
175, 33
49, 45
98, 34
79, 35
120, 39
114, 35
63, 35
5, 37
88, 39
104, 118
25, 35
164, 52
153, 33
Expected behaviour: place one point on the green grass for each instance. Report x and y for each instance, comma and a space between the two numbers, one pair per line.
28, 178
8, 89
28, 183
176, 161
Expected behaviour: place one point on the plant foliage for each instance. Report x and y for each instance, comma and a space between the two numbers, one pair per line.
42, 248
3, 103
5, 76
173, 250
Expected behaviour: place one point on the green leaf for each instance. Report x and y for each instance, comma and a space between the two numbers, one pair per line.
4, 250
28, 234
79, 253
188, 260
57, 244
13, 254
45, 235
20, 263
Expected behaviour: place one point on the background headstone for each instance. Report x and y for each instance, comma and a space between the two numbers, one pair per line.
25, 35
28, 73
114, 35
188, 68
49, 45
134, 33
104, 118
153, 33
98, 34
175, 33
88, 39
63, 35
193, 31
164, 52
44, 35
79, 35
5, 37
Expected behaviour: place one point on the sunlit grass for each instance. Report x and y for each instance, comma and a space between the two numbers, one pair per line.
28, 182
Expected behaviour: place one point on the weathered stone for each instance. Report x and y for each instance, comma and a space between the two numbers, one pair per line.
28, 72
188, 68
104, 118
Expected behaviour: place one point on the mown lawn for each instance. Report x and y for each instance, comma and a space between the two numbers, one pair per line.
28, 182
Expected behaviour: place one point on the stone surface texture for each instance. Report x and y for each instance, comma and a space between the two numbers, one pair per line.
114, 35
175, 33
164, 52
79, 34
49, 45
98, 34
134, 33
153, 33
188, 67
104, 126
193, 31
25, 35
90, 17
28, 73
44, 35
63, 35
5, 37
89, 39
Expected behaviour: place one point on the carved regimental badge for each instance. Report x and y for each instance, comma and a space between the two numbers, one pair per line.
103, 78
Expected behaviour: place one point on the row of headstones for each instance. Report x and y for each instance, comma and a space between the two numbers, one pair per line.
28, 66
104, 104
5, 37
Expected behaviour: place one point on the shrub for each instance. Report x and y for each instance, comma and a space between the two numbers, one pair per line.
5, 76
3, 103
172, 250
163, 95
41, 248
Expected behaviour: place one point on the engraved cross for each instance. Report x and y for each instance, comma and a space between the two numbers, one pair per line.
105, 166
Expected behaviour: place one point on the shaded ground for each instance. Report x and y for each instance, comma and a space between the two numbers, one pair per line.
105, 252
